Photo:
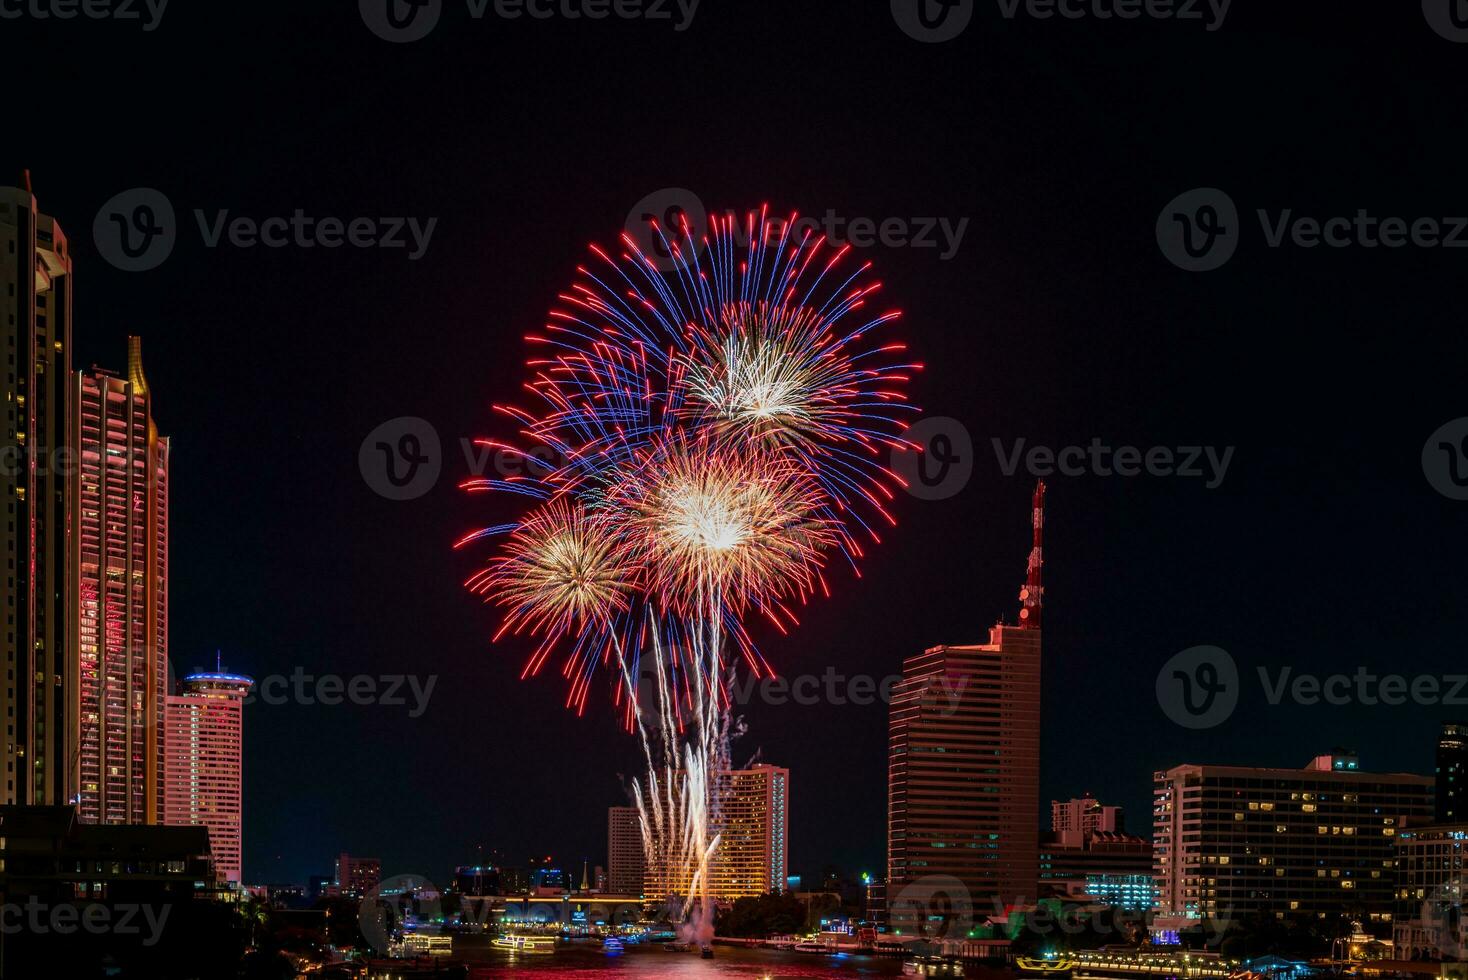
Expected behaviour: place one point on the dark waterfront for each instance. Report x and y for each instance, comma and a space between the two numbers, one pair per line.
585, 962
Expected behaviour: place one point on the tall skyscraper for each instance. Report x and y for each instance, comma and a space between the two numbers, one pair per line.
121, 539
964, 769
38, 679
1452, 773
753, 824
626, 859
202, 749
1230, 841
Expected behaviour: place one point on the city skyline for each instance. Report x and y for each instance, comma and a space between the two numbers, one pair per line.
1055, 321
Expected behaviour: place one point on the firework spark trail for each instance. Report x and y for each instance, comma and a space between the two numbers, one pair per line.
715, 431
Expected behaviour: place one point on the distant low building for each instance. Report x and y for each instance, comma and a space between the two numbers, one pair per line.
1097, 865
356, 876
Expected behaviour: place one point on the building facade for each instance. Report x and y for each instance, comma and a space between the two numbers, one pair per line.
626, 859
121, 539
1097, 865
203, 774
1085, 815
38, 680
1452, 771
963, 778
1232, 840
752, 819
1430, 871
356, 876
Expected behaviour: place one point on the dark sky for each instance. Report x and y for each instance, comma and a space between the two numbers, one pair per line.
1058, 321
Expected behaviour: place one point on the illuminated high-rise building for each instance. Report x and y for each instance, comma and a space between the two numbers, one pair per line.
1236, 841
1452, 773
120, 526
626, 859
752, 819
963, 781
38, 679
203, 749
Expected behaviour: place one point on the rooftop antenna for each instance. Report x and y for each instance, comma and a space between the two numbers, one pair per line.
25, 180
1033, 591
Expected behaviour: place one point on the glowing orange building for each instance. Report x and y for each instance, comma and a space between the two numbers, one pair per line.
120, 537
203, 783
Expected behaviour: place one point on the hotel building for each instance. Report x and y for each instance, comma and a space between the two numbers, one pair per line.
626, 859
752, 819
38, 679
1230, 841
964, 770
202, 785
120, 526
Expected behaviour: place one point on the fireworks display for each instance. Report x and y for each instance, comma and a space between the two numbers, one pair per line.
719, 433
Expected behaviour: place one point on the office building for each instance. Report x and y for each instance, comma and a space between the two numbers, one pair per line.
626, 858
121, 531
964, 768
203, 752
38, 679
1237, 840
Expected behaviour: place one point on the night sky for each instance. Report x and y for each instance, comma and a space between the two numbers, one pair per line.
1058, 320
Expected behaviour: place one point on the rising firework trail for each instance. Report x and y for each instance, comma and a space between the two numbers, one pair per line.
719, 432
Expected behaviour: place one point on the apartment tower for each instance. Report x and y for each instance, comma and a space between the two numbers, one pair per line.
203, 753
121, 540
